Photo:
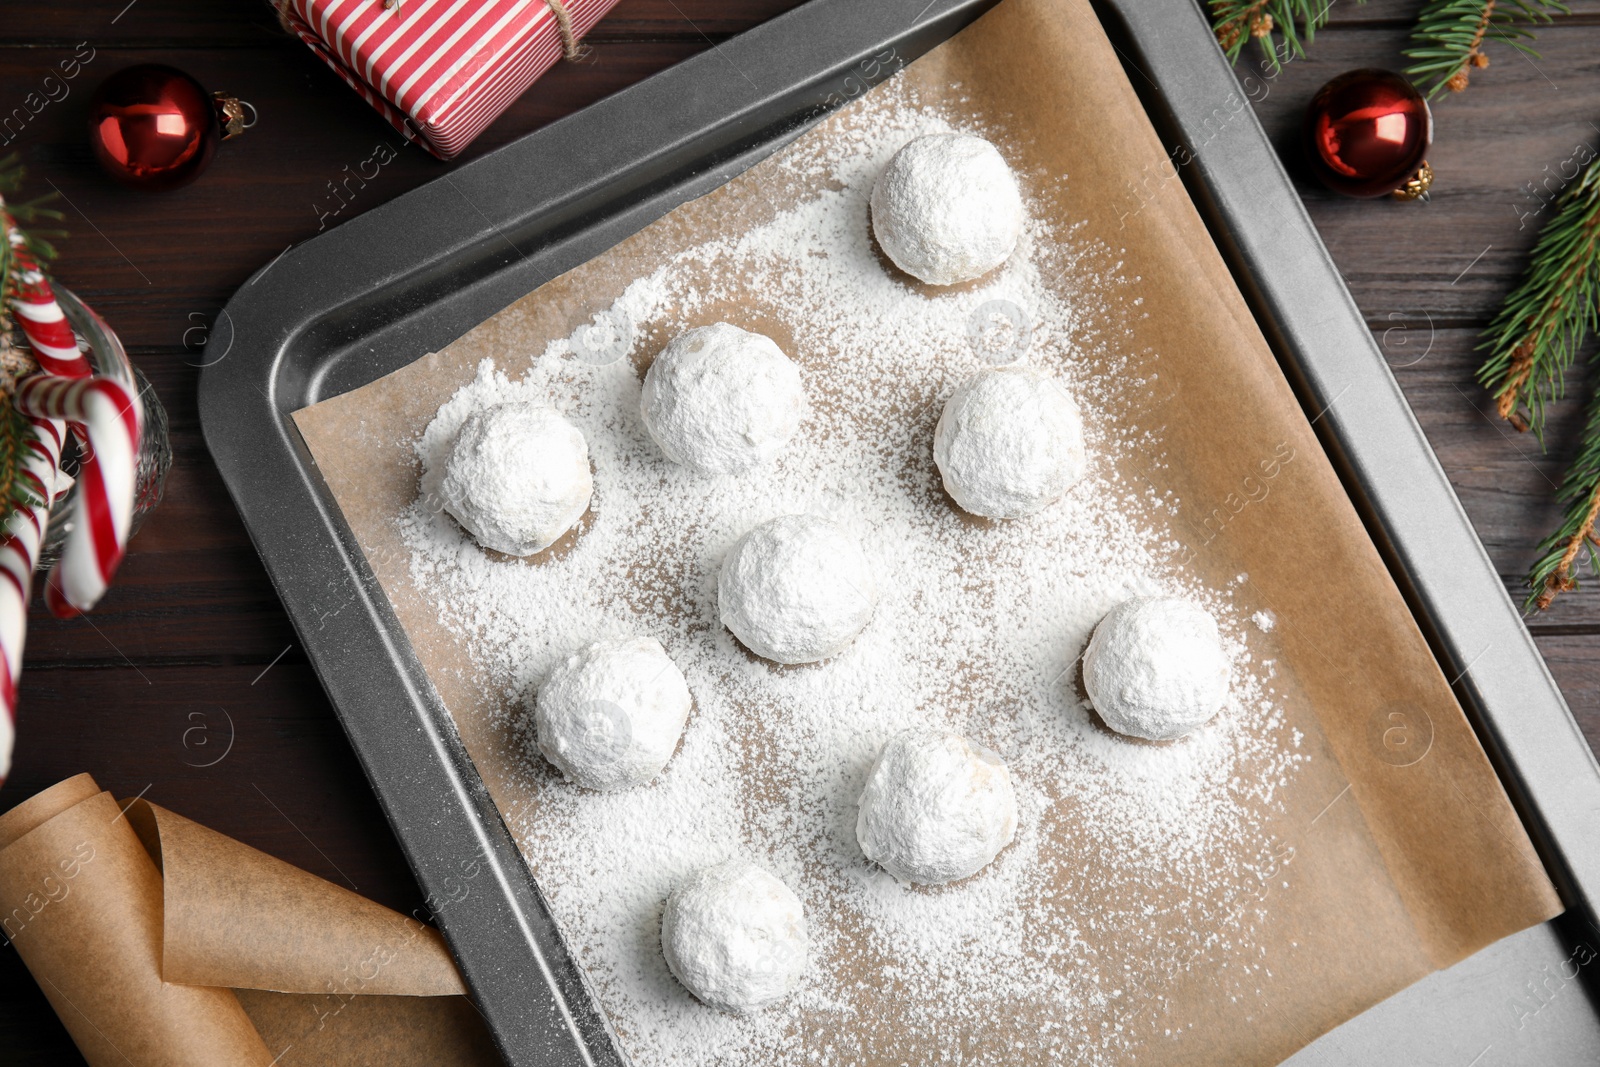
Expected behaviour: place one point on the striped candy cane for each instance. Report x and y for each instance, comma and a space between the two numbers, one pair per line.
19, 554
34, 304
106, 416
107, 419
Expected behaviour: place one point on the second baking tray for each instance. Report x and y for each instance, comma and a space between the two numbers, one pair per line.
410, 277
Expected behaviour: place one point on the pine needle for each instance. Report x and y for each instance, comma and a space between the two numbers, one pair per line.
14, 428
1448, 38
1557, 569
1295, 21
14, 434
26, 212
1531, 344
1539, 329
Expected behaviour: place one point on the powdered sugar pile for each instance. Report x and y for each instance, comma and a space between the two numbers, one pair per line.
1155, 668
722, 400
936, 808
1130, 859
1009, 442
946, 208
796, 589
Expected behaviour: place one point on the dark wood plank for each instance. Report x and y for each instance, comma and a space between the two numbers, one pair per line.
288, 784
138, 252
193, 605
1495, 146
34, 1035
1505, 482
1345, 13
1429, 277
191, 589
179, 23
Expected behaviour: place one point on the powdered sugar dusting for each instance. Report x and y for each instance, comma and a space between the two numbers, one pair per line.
1130, 860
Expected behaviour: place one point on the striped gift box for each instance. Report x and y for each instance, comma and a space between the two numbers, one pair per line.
439, 70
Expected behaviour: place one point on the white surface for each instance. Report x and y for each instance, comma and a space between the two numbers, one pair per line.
1526, 1001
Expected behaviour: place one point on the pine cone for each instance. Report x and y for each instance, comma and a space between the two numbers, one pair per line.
1261, 25
1458, 81
1228, 35
1480, 60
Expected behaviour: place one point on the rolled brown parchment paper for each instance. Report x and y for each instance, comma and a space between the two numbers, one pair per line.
161, 942
237, 917
82, 906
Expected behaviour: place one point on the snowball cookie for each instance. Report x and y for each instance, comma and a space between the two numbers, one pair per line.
517, 477
735, 936
1009, 442
722, 400
1155, 668
946, 209
936, 807
796, 589
610, 716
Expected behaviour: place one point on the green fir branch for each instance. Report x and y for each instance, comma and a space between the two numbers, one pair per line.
15, 429
1531, 345
1295, 21
1448, 38
25, 213
1547, 317
14, 489
1562, 552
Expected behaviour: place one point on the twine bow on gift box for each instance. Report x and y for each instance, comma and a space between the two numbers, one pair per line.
441, 76
570, 45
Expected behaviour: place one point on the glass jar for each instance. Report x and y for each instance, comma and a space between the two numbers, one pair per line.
107, 356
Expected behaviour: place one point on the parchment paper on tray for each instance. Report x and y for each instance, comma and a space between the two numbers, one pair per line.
1338, 832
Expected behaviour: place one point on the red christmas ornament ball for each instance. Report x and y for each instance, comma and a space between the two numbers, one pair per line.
1366, 133
153, 127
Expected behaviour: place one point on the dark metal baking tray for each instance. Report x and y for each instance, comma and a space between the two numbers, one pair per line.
411, 276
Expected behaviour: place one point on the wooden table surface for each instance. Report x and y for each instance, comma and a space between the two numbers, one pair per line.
188, 685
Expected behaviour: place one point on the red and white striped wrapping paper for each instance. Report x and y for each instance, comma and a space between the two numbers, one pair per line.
439, 70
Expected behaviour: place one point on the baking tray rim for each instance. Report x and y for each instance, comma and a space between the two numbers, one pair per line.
290, 358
